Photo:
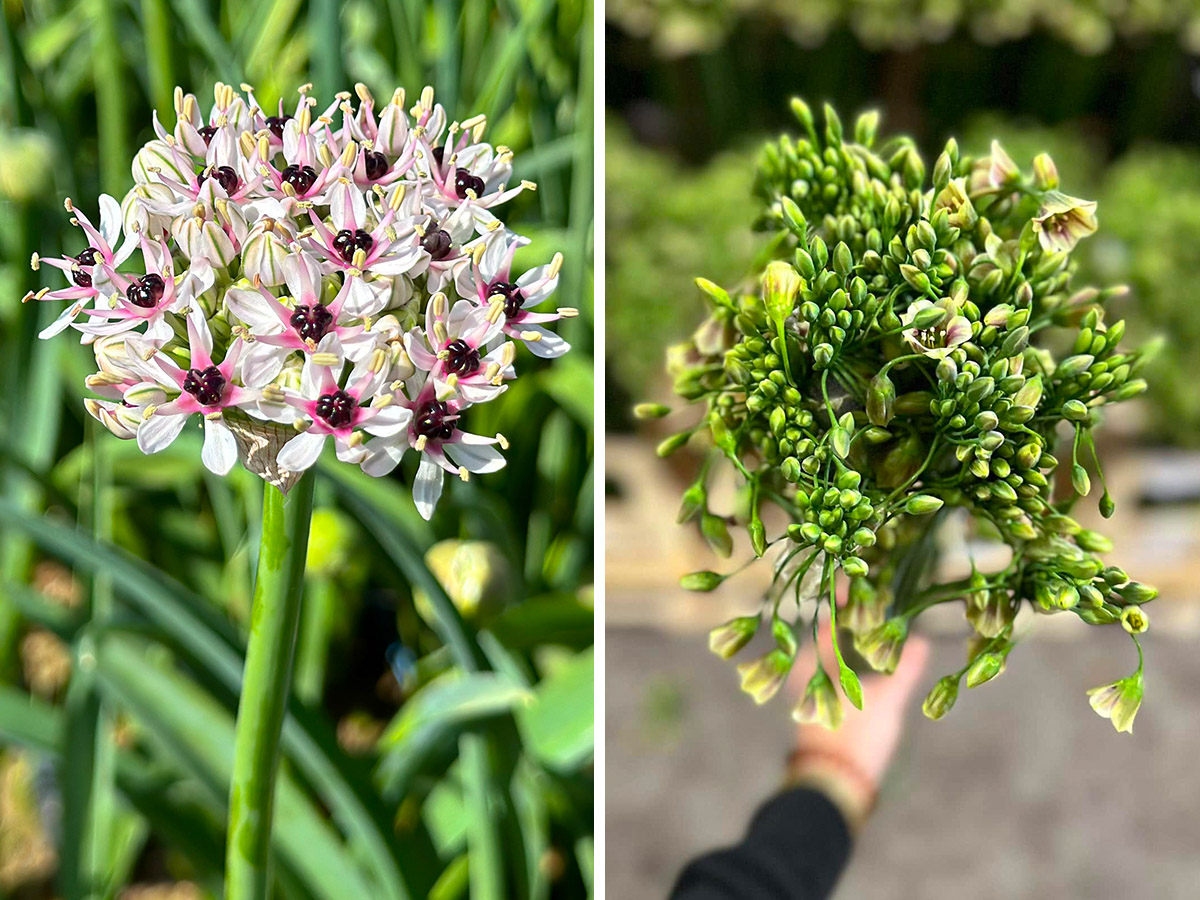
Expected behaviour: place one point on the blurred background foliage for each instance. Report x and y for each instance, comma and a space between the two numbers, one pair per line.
1109, 90
439, 740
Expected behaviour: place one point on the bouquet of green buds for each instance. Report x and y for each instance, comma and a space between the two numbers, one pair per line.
916, 352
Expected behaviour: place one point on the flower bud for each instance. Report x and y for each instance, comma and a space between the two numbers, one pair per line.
474, 574
651, 410
702, 581
1093, 541
716, 533
1080, 481
1076, 411
881, 400
673, 443
1107, 506
922, 504
1045, 173
985, 667
726, 640
1137, 593
264, 252
855, 567
694, 499
940, 700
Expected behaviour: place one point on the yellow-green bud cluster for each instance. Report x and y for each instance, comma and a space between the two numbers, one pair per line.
890, 364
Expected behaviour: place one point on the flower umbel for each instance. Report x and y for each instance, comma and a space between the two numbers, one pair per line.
293, 281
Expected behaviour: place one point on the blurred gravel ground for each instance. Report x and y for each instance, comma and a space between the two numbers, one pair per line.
1021, 792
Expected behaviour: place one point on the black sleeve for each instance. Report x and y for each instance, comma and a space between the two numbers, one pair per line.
795, 849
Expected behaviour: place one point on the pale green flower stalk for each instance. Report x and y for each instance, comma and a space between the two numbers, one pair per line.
266, 682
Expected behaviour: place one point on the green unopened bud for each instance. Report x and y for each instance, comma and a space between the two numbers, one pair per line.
1131, 389
790, 470
839, 440
758, 536
820, 704
716, 533
1045, 173
1080, 481
673, 443
922, 504
822, 355
793, 218
651, 410
881, 647
940, 700
762, 678
985, 667
881, 400
1136, 592
702, 581
1074, 365
694, 499
716, 292
1030, 393
1118, 701
1093, 541
726, 640
1134, 619
781, 284
1107, 506
855, 566
1076, 411
864, 537
929, 317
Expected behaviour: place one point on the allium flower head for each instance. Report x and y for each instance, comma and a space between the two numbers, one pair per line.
301, 274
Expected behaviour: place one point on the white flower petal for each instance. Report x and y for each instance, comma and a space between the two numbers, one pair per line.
159, 432
480, 459
220, 447
301, 451
427, 488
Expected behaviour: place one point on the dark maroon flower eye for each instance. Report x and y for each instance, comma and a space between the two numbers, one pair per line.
464, 181
514, 300
377, 164
463, 359
438, 153
275, 125
311, 322
336, 408
225, 177
300, 177
207, 133
435, 420
345, 242
146, 292
206, 385
87, 257
436, 243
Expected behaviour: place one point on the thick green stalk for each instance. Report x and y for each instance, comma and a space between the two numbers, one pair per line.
265, 685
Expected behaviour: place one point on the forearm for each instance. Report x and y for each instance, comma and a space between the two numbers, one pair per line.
795, 849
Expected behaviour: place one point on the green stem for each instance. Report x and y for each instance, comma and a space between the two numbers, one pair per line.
265, 685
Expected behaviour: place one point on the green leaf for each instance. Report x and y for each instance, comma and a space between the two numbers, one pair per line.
559, 725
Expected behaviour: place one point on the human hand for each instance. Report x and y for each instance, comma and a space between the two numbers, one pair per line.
849, 764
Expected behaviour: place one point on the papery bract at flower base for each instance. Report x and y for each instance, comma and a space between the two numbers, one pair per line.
888, 372
285, 261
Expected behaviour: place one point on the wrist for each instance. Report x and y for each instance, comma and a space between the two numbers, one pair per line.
839, 778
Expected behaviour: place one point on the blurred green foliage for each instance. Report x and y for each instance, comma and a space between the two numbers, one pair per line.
687, 26
125, 580
666, 222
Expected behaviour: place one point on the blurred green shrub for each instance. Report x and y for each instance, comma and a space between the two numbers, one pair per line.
1150, 206
678, 27
665, 222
